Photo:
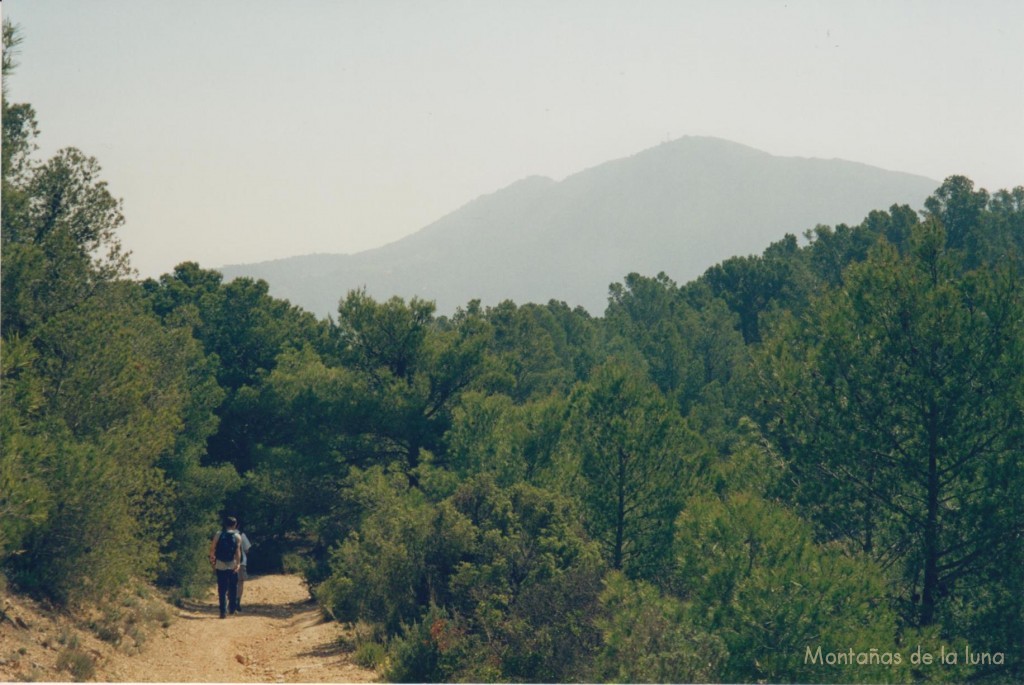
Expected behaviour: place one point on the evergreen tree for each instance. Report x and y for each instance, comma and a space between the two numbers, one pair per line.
898, 401
102, 391
628, 456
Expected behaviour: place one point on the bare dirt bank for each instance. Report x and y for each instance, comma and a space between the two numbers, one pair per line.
280, 637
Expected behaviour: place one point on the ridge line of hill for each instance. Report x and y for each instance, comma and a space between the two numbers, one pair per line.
679, 207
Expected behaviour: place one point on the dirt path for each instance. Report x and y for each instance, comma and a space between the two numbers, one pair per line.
279, 637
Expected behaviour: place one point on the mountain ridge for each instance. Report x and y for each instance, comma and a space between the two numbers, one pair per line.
678, 207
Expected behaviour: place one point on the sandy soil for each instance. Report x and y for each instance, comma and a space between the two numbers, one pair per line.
280, 636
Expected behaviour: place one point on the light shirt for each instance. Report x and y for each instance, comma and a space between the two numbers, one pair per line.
245, 548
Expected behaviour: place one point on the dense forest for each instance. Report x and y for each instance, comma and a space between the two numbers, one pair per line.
802, 466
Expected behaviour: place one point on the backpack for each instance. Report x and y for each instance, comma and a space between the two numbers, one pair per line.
227, 543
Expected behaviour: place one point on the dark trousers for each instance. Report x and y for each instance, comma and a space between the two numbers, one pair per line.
227, 590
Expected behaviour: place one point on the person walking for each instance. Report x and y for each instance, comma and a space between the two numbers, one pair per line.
226, 559
243, 570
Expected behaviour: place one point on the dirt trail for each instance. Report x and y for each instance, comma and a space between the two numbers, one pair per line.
280, 636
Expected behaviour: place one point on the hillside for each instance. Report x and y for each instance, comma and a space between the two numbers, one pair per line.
679, 207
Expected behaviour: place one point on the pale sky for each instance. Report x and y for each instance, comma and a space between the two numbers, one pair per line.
240, 131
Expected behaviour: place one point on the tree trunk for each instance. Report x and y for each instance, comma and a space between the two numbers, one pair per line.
620, 514
931, 530
412, 460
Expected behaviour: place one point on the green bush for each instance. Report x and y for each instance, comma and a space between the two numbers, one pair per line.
648, 637
370, 655
755, 577
76, 662
489, 584
400, 558
422, 653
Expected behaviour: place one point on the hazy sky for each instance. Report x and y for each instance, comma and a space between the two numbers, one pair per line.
240, 131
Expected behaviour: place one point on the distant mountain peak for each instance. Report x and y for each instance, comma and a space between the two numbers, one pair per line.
678, 207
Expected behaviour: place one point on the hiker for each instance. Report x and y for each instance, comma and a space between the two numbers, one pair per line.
226, 558
243, 572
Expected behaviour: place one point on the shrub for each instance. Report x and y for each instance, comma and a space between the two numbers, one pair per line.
76, 662
769, 591
370, 655
648, 637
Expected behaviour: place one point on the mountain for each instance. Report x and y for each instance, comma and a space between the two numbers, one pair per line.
680, 208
